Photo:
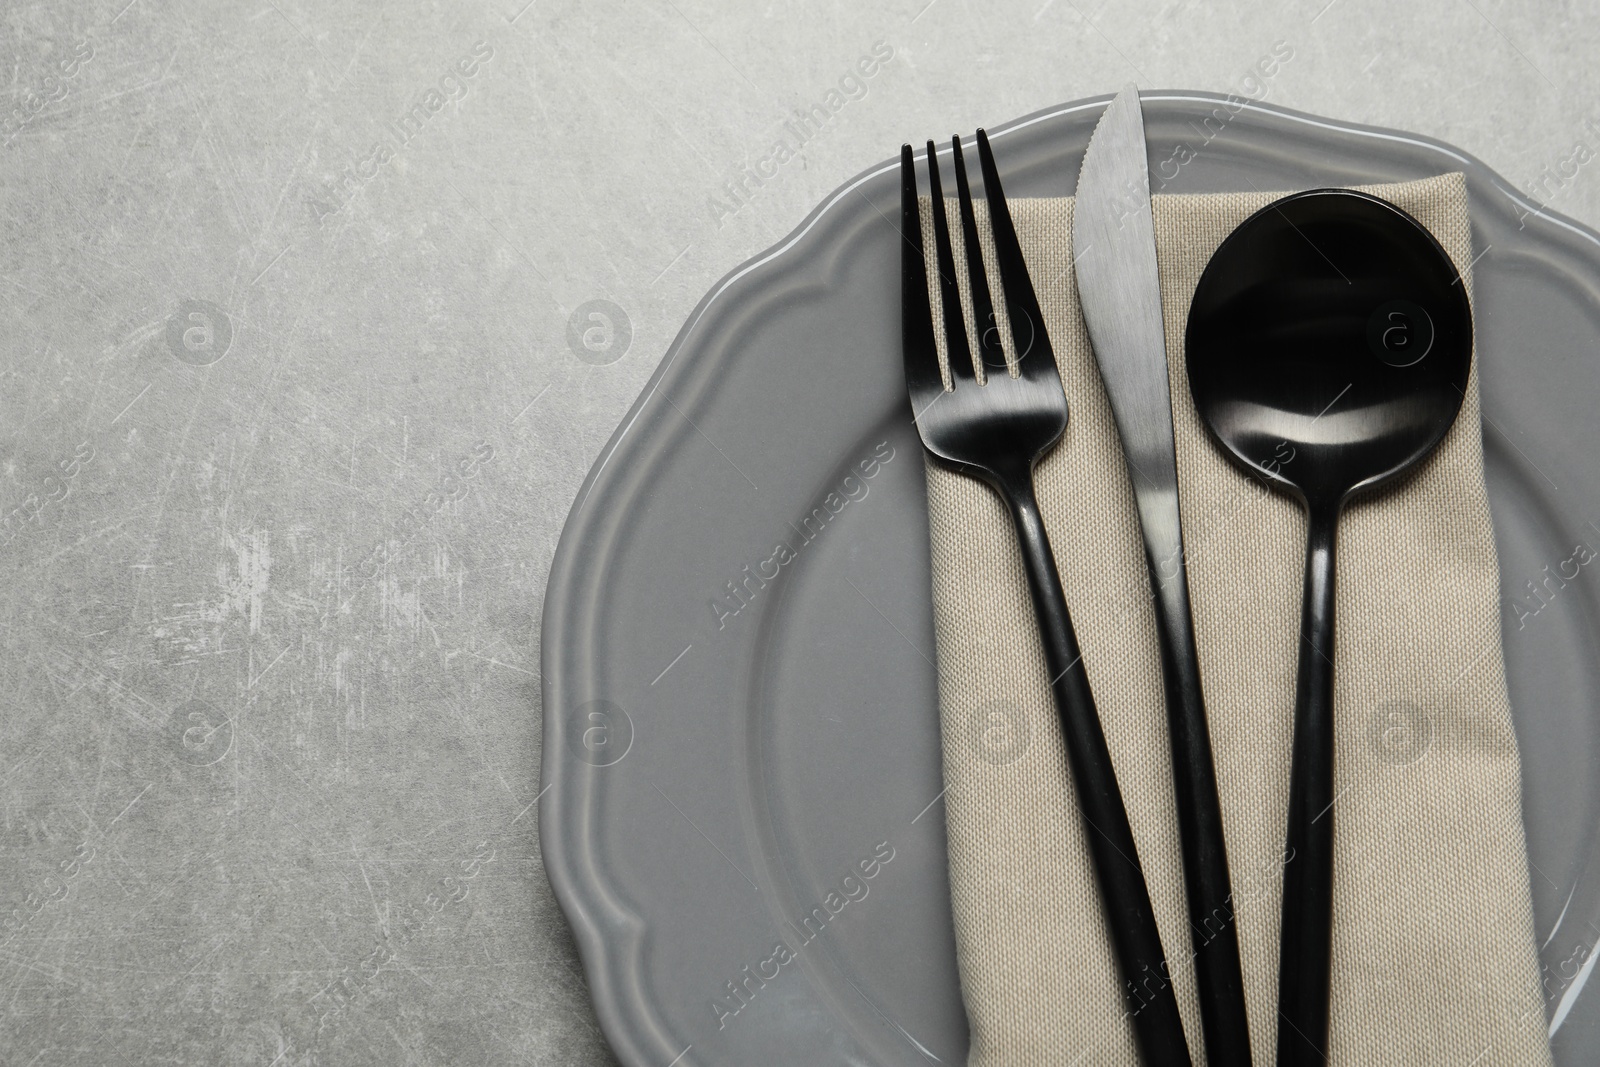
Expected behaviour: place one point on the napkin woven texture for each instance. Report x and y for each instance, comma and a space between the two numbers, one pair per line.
1433, 945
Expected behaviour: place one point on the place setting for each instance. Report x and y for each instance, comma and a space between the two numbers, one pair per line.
1123, 621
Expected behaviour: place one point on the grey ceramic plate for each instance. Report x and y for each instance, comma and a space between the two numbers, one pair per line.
714, 774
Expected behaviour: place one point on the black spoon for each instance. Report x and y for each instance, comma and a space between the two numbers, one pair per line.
1329, 343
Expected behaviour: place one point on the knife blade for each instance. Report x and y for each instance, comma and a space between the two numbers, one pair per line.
1114, 252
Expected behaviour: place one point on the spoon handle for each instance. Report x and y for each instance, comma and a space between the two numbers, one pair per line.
1124, 897
1306, 941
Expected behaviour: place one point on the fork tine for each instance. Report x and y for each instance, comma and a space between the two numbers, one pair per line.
987, 327
955, 323
1022, 304
916, 314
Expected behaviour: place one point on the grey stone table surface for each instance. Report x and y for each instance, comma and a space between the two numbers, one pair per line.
315, 315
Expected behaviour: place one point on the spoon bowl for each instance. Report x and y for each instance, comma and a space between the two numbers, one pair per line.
1332, 324
1329, 346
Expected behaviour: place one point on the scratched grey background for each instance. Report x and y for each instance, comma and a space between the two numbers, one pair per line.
295, 392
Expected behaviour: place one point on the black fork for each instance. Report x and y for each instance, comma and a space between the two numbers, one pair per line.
996, 429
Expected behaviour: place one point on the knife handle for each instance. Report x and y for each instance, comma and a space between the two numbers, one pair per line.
1124, 897
1214, 929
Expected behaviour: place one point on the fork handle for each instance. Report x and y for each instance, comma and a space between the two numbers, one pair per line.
1124, 898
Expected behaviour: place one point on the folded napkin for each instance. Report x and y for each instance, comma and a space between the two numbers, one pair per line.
1433, 945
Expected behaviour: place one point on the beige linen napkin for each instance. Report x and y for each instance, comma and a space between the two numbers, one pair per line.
1433, 955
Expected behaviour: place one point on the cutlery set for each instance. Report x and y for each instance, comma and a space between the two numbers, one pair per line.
1328, 349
